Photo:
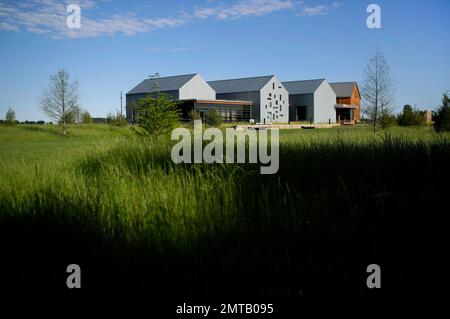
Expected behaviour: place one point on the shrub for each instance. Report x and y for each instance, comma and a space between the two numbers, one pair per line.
387, 119
442, 116
213, 118
86, 118
194, 115
10, 117
411, 116
116, 120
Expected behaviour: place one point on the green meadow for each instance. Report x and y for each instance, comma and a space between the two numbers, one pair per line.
133, 220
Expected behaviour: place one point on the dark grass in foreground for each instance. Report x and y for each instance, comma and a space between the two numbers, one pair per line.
136, 222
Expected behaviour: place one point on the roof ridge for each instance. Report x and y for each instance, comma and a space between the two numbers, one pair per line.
321, 79
342, 82
171, 76
249, 77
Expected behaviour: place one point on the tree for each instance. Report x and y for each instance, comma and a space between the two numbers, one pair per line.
213, 118
376, 89
158, 115
442, 116
86, 118
60, 100
410, 116
10, 117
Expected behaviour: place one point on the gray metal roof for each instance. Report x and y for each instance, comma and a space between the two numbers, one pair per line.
240, 85
170, 83
302, 87
343, 89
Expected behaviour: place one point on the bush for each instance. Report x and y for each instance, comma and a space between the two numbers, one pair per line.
411, 116
116, 120
10, 117
213, 118
387, 119
86, 118
194, 115
442, 116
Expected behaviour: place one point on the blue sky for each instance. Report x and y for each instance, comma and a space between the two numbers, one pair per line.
121, 42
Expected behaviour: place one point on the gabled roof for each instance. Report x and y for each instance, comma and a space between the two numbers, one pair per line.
170, 83
303, 87
240, 85
343, 89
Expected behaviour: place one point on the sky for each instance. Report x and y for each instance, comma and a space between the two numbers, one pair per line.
120, 43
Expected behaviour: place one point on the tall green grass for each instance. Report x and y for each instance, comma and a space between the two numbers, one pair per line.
342, 199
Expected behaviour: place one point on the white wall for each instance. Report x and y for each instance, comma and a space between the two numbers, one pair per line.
197, 88
324, 101
275, 96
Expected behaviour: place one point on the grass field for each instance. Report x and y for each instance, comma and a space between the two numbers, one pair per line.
343, 198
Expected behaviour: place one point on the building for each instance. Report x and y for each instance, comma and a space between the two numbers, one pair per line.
348, 102
311, 101
269, 97
428, 116
192, 92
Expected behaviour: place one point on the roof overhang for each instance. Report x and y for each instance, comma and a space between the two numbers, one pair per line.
345, 106
229, 102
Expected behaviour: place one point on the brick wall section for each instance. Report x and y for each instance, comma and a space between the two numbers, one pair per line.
355, 99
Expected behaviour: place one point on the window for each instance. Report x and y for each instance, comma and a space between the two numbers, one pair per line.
273, 85
270, 94
280, 97
270, 104
266, 106
276, 102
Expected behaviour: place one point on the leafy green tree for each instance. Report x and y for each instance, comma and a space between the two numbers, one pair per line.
158, 115
442, 116
10, 117
411, 116
86, 118
213, 118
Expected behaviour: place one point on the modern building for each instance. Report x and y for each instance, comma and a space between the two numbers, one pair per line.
193, 93
348, 102
269, 97
311, 101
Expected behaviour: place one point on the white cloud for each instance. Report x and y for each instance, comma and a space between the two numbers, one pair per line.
8, 27
48, 17
243, 9
319, 9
